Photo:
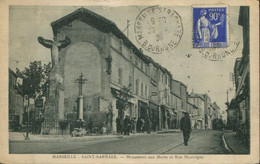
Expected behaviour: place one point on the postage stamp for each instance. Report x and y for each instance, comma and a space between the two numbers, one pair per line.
158, 29
209, 27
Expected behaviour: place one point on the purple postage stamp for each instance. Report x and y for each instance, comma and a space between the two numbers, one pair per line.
209, 27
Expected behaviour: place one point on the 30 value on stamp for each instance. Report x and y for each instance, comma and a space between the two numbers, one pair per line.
158, 29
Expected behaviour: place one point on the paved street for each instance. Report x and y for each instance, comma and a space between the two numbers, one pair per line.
205, 142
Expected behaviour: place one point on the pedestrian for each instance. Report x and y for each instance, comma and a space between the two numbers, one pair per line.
90, 125
142, 125
185, 125
133, 125
127, 125
138, 125
148, 126
118, 126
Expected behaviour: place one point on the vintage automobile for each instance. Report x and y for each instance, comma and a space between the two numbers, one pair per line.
14, 124
78, 132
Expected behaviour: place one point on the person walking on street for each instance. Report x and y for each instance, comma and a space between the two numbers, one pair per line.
185, 125
133, 125
142, 125
90, 125
148, 126
127, 125
118, 126
138, 125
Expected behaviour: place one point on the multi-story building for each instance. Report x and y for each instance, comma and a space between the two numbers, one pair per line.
179, 99
198, 101
239, 108
193, 111
208, 111
216, 111
164, 97
16, 109
154, 93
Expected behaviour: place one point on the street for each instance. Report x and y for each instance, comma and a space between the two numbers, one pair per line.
201, 142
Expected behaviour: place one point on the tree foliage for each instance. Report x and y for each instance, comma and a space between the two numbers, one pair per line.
35, 79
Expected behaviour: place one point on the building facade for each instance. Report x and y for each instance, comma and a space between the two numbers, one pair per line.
239, 107
208, 111
198, 101
16, 109
121, 79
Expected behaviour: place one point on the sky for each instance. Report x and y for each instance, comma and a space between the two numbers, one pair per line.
200, 75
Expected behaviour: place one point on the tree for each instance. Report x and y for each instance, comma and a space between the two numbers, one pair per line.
35, 79
35, 83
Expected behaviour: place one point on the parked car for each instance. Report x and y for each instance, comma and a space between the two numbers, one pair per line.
14, 123
78, 132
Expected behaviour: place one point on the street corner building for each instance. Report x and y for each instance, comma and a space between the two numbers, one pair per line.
110, 63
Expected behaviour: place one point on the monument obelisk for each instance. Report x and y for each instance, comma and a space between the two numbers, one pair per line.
54, 106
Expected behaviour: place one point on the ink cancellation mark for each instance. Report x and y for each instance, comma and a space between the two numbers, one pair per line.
219, 54
209, 27
158, 29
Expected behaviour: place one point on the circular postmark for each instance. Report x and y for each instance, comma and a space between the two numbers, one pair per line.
158, 29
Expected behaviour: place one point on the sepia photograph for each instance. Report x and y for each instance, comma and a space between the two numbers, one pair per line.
131, 80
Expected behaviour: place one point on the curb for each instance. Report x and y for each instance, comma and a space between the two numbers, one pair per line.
228, 148
74, 139
162, 132
61, 140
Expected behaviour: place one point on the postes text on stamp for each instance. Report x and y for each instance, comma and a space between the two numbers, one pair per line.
209, 27
158, 29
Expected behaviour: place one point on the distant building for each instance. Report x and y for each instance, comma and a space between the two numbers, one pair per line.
15, 100
198, 101
193, 111
208, 111
216, 111
179, 99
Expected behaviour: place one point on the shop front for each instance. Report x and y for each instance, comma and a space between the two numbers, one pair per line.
154, 115
165, 117
143, 110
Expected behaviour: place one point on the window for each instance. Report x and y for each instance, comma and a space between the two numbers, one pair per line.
120, 76
131, 55
136, 86
136, 62
142, 66
166, 79
130, 80
120, 45
142, 89
146, 91
162, 78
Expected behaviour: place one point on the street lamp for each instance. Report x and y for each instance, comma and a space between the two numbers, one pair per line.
27, 131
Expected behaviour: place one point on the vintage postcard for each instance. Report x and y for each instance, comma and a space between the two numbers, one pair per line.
129, 82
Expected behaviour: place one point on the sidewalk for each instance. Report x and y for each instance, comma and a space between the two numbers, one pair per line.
20, 137
236, 146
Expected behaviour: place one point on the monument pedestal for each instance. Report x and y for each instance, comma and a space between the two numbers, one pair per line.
81, 107
54, 106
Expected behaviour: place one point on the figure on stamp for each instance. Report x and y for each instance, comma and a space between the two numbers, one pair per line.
206, 31
185, 125
54, 46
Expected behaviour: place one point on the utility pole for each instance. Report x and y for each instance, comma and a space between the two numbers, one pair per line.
80, 81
